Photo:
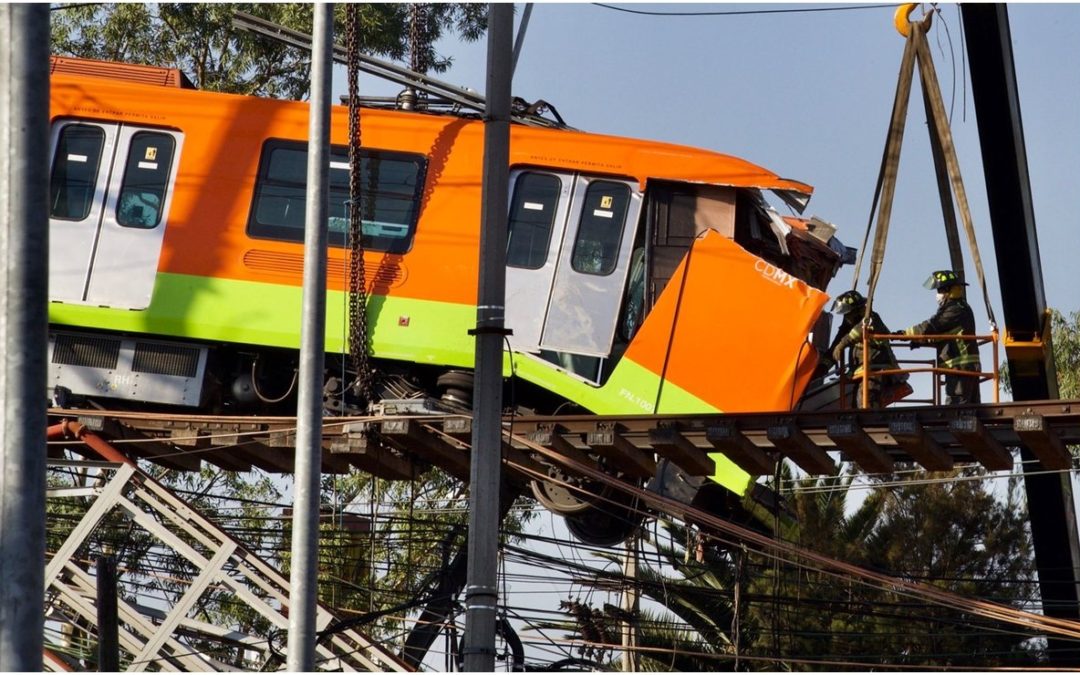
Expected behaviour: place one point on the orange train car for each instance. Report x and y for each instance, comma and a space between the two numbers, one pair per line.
642, 277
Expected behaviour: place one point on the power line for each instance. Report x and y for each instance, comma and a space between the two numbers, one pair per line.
743, 12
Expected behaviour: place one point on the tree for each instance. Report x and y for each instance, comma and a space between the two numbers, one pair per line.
742, 610
200, 40
1065, 332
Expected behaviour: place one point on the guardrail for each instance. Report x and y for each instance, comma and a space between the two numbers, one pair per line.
938, 373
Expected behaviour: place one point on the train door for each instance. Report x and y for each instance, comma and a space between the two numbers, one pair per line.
539, 203
591, 272
568, 255
110, 189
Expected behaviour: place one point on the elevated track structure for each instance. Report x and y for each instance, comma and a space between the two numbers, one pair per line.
577, 452
935, 438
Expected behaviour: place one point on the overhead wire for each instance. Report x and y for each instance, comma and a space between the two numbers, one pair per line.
744, 12
824, 564
579, 550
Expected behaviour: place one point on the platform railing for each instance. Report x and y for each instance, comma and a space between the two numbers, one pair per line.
937, 372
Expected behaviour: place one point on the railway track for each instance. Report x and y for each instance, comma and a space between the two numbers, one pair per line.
401, 446
578, 454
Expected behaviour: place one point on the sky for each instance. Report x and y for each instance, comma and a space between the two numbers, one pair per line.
808, 95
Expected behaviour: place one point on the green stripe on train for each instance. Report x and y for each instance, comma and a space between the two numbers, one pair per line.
245, 312
420, 331
631, 390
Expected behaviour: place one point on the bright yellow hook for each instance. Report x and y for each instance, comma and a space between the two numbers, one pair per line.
902, 18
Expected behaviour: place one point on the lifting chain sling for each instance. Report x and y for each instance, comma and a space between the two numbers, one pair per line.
358, 337
417, 63
946, 165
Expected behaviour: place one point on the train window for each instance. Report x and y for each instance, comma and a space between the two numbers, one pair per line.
146, 178
596, 249
74, 171
532, 214
390, 184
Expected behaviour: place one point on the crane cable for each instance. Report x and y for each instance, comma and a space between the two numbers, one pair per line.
358, 337
947, 168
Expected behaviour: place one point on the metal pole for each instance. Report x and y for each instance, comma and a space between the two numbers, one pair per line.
305, 540
24, 225
630, 606
520, 39
1051, 503
484, 473
107, 616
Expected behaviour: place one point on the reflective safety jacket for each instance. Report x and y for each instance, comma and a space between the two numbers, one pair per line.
954, 317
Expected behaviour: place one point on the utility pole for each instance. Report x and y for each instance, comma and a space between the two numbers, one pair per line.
485, 467
303, 581
630, 606
24, 226
108, 618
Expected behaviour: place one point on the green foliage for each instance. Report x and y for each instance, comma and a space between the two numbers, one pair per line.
382, 544
200, 40
1066, 337
950, 532
404, 534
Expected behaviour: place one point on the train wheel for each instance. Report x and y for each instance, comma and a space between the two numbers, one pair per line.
558, 494
608, 523
456, 388
595, 513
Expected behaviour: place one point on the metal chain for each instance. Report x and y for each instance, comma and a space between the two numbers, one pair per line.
358, 338
414, 37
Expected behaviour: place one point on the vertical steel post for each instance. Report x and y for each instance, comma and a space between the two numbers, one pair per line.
24, 226
484, 472
1051, 504
107, 616
519, 41
305, 540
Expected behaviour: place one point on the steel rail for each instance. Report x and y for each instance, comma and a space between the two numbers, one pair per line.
933, 436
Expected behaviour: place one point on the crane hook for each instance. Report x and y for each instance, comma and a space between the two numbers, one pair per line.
902, 18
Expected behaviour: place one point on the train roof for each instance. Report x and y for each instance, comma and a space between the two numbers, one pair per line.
564, 147
114, 70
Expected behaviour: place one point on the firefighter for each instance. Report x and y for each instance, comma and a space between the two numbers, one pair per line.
953, 317
851, 306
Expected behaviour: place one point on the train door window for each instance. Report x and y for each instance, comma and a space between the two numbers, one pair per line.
532, 215
603, 215
112, 184
146, 179
73, 181
390, 185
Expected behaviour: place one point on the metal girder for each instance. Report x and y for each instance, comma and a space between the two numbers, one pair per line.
934, 437
1051, 505
738, 448
859, 446
794, 442
220, 564
912, 437
873, 439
